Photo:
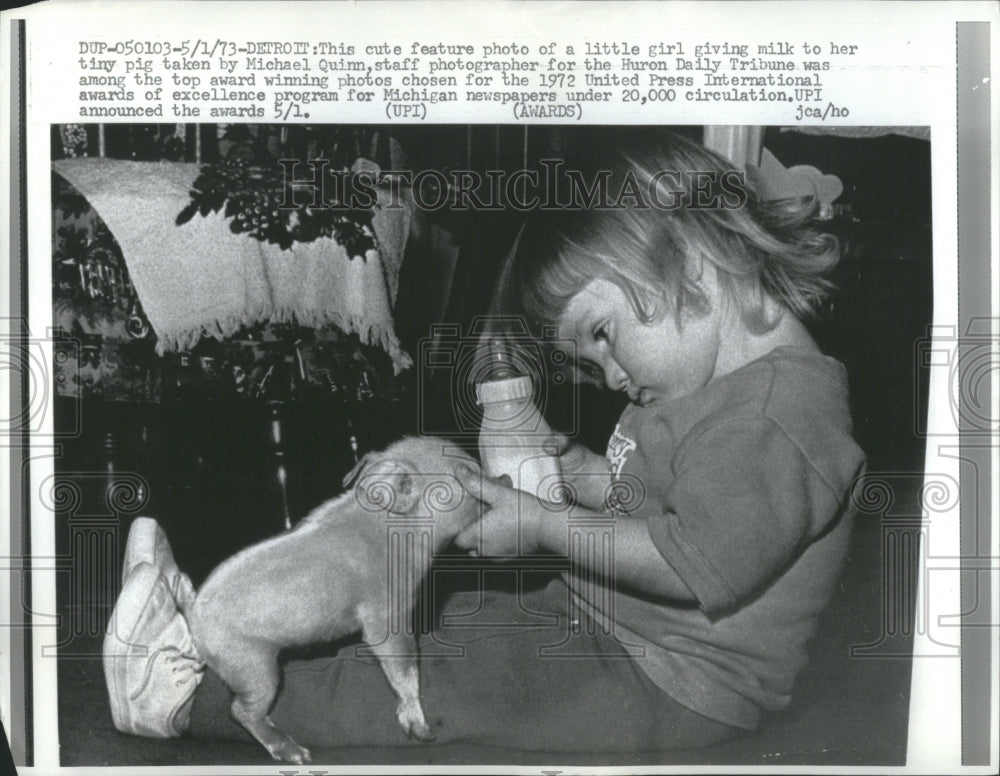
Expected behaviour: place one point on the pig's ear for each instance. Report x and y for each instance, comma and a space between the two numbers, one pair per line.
352, 475
388, 486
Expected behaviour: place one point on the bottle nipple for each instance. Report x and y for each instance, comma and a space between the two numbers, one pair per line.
501, 365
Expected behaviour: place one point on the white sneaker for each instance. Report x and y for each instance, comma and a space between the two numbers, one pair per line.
150, 664
147, 543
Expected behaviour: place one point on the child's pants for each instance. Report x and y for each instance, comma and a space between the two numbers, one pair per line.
509, 688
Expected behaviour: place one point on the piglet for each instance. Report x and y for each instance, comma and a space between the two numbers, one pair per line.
329, 577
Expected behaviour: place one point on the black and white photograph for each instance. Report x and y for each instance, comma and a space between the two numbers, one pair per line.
291, 502
545, 387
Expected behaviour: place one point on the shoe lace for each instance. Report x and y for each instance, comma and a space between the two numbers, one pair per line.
185, 663
189, 668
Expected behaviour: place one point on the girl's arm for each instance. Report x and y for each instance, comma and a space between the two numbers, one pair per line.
516, 523
637, 563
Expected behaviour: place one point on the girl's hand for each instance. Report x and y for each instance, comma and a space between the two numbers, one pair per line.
575, 458
587, 474
509, 525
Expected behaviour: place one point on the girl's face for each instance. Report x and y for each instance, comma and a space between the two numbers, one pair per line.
652, 362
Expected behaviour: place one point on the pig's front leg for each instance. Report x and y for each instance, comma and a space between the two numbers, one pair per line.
397, 654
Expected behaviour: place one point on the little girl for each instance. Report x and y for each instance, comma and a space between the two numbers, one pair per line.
737, 454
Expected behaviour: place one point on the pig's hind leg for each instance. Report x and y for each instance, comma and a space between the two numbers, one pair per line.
397, 654
251, 671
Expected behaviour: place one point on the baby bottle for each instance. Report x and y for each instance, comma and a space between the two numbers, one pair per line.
513, 431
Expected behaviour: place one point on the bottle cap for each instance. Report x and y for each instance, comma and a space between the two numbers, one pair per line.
510, 389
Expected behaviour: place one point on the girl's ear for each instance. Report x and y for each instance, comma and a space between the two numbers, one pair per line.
695, 268
699, 291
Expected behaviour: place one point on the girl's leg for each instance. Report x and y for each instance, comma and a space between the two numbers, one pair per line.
496, 683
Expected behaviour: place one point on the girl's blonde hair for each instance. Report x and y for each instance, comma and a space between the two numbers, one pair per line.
654, 250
